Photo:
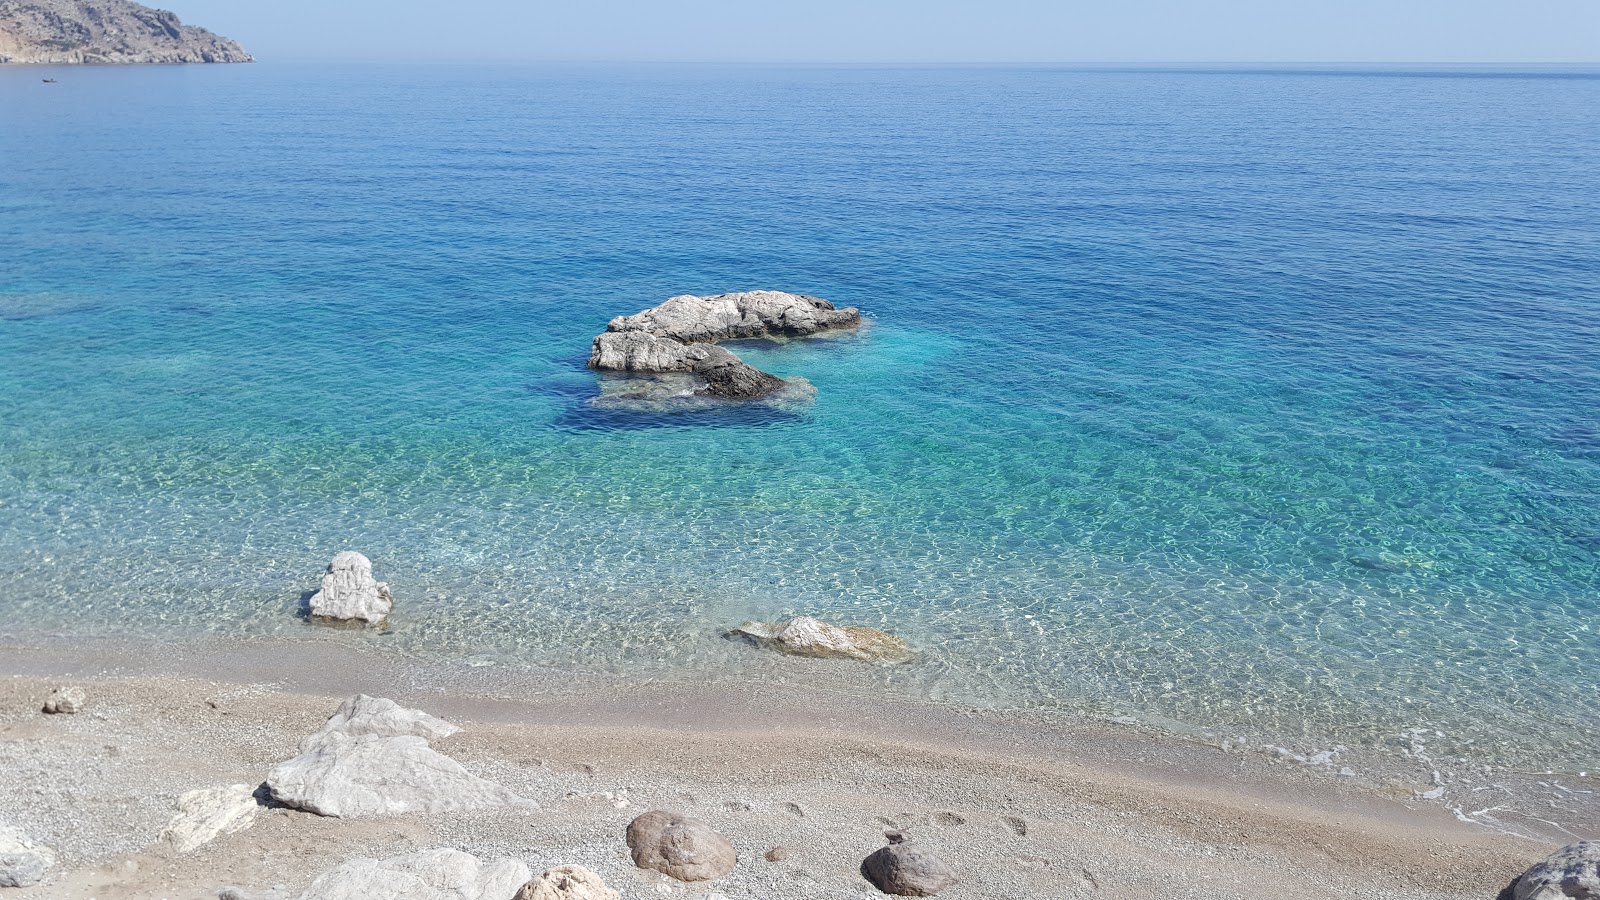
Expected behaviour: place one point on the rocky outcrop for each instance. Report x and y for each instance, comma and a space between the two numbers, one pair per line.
350, 594
373, 758
680, 336
441, 874
567, 883
209, 813
65, 700
906, 870
675, 845
1571, 873
22, 862
105, 31
805, 636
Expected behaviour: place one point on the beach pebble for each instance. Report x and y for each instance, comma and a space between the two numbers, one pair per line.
805, 636
65, 700
206, 814
567, 883
777, 854
349, 592
441, 874
1571, 873
373, 758
906, 870
22, 862
684, 848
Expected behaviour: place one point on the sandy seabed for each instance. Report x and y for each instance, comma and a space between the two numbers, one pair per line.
1022, 805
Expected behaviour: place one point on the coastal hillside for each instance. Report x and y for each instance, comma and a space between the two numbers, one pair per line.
105, 31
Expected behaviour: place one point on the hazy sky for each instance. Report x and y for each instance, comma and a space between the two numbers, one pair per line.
911, 30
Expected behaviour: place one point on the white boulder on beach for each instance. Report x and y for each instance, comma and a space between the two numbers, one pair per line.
441, 874
373, 759
22, 862
208, 813
350, 593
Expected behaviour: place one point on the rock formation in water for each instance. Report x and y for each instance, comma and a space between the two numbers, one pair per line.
680, 336
105, 31
805, 636
349, 593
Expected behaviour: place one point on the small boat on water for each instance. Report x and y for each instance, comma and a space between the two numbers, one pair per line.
49, 81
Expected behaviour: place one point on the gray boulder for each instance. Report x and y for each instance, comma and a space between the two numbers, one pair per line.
678, 335
907, 870
372, 759
805, 636
22, 862
349, 592
65, 700
684, 848
1571, 873
567, 883
209, 813
441, 874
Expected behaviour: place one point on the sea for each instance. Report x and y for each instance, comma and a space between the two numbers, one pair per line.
1257, 402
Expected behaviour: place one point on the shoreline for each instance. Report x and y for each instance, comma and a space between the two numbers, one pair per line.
1023, 804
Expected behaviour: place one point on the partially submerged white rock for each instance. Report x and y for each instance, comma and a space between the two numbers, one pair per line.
373, 758
1571, 873
349, 592
678, 336
567, 883
805, 636
441, 874
22, 862
209, 813
65, 700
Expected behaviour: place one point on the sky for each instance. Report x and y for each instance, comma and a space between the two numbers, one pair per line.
910, 31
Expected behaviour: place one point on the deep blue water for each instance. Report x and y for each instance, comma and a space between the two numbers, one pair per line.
1258, 401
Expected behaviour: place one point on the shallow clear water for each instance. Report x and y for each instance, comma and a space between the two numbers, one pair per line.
1246, 400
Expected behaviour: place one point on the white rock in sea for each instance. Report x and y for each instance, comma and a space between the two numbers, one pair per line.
209, 813
372, 759
676, 845
567, 883
22, 862
1571, 873
441, 874
805, 636
349, 592
678, 335
65, 700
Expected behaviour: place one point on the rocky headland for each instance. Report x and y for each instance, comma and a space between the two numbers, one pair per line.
105, 31
681, 335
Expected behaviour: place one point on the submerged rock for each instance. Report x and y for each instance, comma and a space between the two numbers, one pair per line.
567, 883
349, 592
65, 701
373, 758
805, 636
673, 844
209, 813
441, 874
22, 862
1571, 873
679, 337
906, 870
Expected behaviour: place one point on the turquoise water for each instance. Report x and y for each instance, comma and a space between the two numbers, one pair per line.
1257, 401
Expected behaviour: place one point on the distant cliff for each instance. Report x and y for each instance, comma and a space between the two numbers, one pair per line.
105, 31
